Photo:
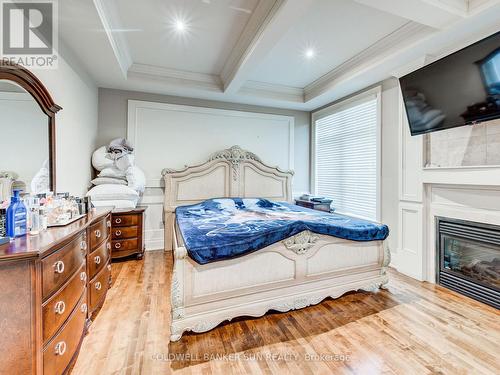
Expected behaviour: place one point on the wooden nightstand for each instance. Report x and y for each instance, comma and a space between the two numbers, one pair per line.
314, 205
127, 233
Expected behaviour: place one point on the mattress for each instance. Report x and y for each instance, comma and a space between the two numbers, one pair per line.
220, 229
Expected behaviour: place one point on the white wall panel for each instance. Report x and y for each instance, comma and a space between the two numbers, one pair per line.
172, 136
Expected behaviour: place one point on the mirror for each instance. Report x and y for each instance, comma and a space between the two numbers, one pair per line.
25, 151
27, 130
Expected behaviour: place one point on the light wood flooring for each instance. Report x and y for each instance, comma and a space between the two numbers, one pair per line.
408, 328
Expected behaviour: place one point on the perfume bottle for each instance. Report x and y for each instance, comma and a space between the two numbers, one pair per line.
34, 220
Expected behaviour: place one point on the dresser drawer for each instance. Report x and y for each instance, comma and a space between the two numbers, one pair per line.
60, 305
125, 220
59, 351
124, 232
99, 258
122, 245
59, 266
98, 287
98, 232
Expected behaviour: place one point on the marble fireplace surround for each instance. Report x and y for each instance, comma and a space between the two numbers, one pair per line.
476, 203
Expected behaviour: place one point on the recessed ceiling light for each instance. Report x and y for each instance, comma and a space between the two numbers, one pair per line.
309, 53
180, 25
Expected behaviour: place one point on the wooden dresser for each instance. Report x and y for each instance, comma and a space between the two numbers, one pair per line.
127, 233
52, 285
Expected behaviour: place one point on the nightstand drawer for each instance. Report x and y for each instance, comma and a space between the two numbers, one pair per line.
124, 232
125, 220
122, 245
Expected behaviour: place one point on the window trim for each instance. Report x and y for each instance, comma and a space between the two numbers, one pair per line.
375, 92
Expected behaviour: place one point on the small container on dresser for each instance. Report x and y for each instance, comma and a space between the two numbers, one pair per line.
127, 233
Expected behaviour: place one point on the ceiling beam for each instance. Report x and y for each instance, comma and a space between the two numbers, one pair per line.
270, 20
438, 14
106, 9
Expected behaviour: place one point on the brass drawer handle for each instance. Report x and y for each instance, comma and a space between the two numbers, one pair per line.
83, 276
108, 246
118, 232
108, 223
97, 259
60, 307
97, 233
59, 266
60, 348
118, 220
118, 245
98, 285
83, 308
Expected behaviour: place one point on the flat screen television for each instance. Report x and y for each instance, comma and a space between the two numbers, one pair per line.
460, 89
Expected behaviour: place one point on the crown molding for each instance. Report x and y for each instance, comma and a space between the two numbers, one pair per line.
367, 58
273, 91
458, 7
108, 15
249, 38
476, 6
183, 78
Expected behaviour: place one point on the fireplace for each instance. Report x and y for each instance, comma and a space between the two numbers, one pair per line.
469, 259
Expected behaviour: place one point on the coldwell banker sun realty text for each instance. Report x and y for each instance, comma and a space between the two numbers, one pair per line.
29, 33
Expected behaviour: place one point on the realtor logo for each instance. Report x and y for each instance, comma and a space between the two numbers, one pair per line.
29, 33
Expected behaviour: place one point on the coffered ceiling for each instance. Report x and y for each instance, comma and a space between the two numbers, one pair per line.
297, 54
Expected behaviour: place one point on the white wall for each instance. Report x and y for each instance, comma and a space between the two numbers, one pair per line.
113, 123
76, 123
390, 169
113, 112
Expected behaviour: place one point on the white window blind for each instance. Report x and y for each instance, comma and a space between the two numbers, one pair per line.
346, 157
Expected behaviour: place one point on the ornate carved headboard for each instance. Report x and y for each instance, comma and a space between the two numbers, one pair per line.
233, 172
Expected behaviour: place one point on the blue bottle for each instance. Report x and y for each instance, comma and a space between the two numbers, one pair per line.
16, 217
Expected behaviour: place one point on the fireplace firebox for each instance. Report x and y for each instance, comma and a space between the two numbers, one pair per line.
469, 259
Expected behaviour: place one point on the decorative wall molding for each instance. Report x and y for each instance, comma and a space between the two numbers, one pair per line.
109, 19
366, 59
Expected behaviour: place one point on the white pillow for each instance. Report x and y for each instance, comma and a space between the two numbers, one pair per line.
113, 172
99, 159
136, 179
112, 192
121, 203
125, 162
108, 180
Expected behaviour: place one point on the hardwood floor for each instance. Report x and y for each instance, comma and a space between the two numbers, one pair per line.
409, 328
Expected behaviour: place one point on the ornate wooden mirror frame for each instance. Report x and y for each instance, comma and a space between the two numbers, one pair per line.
28, 81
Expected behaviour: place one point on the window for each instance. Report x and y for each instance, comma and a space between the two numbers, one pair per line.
346, 154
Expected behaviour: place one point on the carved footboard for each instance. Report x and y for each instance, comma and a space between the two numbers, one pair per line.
297, 272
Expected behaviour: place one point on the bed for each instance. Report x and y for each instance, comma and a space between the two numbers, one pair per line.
301, 267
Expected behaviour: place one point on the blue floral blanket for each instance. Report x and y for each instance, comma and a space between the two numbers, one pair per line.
225, 228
